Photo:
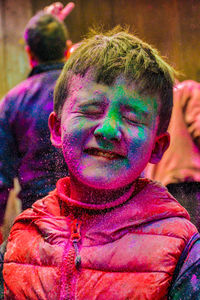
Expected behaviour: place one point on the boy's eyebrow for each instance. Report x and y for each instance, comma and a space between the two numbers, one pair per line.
91, 101
133, 101
135, 106
94, 99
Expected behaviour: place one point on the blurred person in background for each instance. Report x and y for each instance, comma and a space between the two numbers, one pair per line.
25, 149
179, 168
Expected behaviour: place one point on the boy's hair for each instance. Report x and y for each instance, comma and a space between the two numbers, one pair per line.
116, 53
46, 36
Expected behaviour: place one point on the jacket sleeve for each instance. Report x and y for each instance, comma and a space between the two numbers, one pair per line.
188, 92
8, 153
187, 285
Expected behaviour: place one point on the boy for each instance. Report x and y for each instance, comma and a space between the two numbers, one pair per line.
105, 233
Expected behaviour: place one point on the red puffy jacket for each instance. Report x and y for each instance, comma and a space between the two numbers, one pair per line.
60, 249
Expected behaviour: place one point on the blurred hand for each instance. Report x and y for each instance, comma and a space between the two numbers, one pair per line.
57, 9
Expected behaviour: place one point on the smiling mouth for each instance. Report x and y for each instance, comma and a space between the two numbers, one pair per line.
103, 153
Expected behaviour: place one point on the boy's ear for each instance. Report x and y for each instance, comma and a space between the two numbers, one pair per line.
54, 126
161, 144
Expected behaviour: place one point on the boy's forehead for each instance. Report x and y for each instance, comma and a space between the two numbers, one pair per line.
86, 87
87, 84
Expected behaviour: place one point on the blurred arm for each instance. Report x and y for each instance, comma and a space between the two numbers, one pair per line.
187, 283
8, 161
57, 9
188, 92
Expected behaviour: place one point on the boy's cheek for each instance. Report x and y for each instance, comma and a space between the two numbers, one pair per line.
77, 132
139, 137
141, 144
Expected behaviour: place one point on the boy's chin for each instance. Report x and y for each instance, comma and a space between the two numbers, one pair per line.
104, 183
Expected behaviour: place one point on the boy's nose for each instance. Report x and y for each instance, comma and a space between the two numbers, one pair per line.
108, 130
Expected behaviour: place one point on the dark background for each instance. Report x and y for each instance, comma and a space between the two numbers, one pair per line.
172, 26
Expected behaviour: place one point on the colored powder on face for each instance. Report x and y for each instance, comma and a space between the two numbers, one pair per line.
114, 118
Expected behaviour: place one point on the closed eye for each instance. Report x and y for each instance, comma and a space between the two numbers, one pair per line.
91, 109
132, 119
91, 113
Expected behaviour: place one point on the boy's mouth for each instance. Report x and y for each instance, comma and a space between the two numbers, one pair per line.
103, 153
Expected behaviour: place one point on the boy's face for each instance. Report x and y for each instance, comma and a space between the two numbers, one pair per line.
107, 133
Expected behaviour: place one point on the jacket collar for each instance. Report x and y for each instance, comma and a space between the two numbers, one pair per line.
153, 203
41, 68
63, 190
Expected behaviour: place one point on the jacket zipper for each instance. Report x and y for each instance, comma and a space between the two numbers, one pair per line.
72, 262
75, 238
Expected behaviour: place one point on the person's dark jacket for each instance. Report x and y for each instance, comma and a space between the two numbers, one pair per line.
25, 148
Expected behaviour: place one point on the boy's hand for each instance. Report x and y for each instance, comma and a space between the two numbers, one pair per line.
58, 10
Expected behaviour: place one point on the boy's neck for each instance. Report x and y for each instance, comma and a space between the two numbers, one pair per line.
89, 195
